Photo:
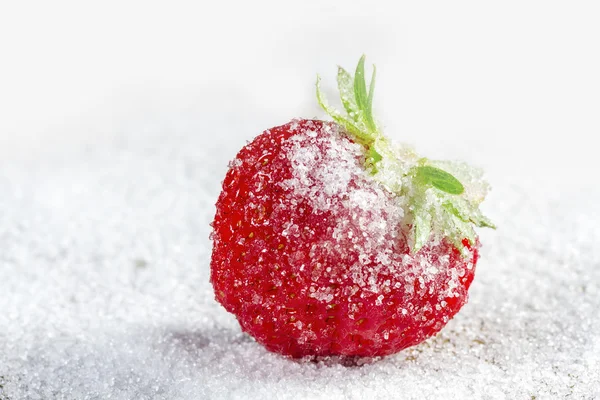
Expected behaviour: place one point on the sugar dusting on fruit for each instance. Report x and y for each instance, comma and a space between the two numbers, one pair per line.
329, 239
311, 254
362, 216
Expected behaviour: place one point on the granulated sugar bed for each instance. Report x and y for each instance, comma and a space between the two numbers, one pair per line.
105, 293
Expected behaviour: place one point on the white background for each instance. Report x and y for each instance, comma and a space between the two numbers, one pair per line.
522, 75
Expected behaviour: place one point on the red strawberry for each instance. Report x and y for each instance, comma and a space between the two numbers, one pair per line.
329, 240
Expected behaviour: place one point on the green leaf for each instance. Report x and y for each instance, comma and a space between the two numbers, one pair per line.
360, 93
484, 222
346, 88
373, 158
421, 228
369, 109
344, 122
360, 86
374, 155
357, 103
469, 214
465, 230
460, 230
439, 179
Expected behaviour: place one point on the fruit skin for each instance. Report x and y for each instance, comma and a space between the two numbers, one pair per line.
268, 278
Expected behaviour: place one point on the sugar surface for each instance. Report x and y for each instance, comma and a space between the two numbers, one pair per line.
105, 292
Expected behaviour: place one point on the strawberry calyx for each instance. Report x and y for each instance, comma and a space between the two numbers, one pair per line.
358, 104
440, 198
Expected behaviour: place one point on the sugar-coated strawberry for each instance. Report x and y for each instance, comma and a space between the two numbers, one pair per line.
330, 240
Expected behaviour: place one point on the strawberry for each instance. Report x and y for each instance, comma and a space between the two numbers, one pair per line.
329, 239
